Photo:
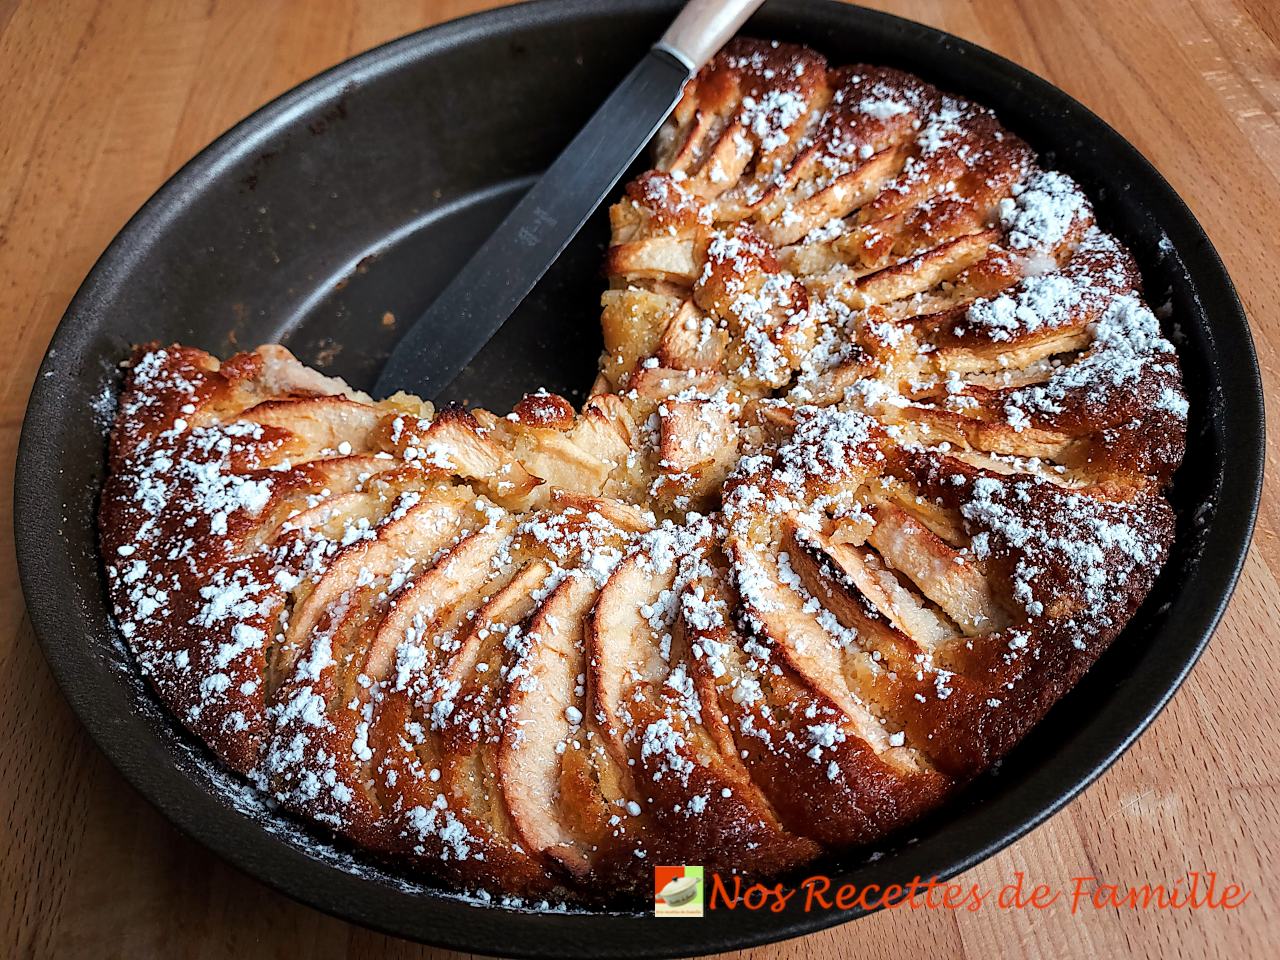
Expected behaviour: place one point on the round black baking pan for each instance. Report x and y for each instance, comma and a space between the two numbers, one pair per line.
330, 218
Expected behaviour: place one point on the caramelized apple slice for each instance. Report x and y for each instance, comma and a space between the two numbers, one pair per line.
319, 426
950, 578
411, 651
314, 709
470, 733
411, 528
925, 270
544, 703
803, 753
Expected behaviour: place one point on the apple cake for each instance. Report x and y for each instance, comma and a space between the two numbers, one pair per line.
873, 469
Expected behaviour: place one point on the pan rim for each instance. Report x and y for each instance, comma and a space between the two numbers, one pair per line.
289, 869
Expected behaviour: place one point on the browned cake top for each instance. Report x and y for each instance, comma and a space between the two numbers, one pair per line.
873, 471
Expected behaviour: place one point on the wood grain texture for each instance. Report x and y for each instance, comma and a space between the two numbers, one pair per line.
100, 100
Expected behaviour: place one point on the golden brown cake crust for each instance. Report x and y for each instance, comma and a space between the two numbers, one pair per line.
874, 471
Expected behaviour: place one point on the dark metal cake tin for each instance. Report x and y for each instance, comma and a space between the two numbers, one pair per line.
329, 219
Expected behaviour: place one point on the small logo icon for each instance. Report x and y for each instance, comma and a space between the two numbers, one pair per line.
677, 891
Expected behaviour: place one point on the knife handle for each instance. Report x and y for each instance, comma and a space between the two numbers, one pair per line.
703, 27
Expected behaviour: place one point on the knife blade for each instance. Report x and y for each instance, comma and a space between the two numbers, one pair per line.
514, 258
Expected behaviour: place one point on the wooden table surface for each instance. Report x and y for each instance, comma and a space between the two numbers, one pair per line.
101, 100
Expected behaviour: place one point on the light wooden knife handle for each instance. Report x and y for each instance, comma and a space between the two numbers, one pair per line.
702, 28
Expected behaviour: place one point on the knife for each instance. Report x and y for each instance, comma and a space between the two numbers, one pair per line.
507, 266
